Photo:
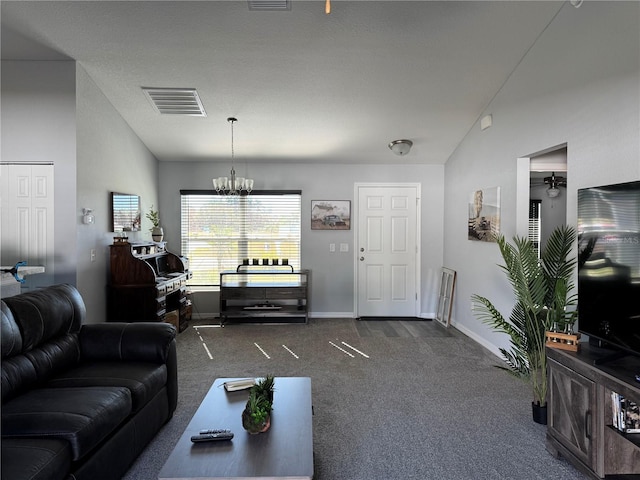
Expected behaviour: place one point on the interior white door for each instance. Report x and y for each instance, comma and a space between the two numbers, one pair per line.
27, 217
387, 251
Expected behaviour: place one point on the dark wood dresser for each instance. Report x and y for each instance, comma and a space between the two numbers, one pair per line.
147, 283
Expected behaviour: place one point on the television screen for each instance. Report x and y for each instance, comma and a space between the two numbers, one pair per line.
609, 264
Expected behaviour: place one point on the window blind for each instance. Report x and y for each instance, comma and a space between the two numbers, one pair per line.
534, 224
218, 232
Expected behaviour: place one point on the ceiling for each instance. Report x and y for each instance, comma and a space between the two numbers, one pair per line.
305, 86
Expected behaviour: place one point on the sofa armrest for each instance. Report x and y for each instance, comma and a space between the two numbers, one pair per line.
141, 341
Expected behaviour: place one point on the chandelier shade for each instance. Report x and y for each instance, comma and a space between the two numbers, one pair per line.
232, 185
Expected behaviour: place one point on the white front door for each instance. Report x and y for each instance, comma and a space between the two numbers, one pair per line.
387, 250
27, 218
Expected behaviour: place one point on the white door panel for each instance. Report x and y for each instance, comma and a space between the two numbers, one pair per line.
387, 251
27, 217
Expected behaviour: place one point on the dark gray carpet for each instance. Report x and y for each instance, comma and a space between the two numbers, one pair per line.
392, 400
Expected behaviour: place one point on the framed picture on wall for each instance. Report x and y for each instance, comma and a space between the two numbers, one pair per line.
330, 214
484, 214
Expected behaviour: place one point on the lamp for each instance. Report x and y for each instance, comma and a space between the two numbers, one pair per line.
400, 147
232, 185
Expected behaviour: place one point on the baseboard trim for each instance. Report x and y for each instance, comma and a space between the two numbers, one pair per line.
478, 339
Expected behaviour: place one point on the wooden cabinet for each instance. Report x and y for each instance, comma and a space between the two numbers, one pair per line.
147, 284
280, 294
581, 416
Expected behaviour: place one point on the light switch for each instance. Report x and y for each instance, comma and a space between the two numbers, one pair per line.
332, 247
344, 247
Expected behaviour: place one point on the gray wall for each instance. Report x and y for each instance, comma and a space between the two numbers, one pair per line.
578, 85
111, 158
39, 126
332, 287
53, 112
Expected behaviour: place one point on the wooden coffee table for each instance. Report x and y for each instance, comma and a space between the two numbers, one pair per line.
284, 451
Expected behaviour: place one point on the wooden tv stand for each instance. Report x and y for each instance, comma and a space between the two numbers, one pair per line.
274, 293
580, 415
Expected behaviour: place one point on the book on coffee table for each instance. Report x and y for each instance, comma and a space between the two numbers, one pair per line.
241, 384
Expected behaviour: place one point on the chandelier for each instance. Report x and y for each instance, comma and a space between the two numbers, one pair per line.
232, 185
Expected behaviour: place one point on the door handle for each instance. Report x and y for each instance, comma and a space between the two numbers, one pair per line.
362, 259
587, 424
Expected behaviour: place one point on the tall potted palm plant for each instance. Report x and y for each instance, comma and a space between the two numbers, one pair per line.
543, 290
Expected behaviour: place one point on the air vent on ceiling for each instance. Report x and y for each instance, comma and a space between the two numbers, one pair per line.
175, 101
269, 5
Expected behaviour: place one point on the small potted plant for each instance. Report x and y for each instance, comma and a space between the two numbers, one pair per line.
157, 233
256, 416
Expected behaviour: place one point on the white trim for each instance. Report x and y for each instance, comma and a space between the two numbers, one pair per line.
354, 225
522, 196
477, 338
332, 315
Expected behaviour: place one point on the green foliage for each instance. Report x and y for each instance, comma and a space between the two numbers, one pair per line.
258, 407
542, 289
265, 387
154, 217
259, 404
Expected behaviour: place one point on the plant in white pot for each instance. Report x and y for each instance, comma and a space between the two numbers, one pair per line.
543, 290
157, 233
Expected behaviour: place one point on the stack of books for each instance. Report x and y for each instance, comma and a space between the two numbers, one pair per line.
626, 414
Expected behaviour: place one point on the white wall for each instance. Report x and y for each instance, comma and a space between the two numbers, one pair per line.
332, 274
578, 85
111, 158
39, 125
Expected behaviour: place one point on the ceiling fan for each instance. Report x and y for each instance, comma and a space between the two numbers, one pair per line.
554, 182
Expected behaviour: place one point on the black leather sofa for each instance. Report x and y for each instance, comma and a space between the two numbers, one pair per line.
79, 401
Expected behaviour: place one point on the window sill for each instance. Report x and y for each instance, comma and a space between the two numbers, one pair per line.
201, 288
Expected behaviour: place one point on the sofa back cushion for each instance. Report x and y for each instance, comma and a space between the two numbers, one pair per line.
39, 336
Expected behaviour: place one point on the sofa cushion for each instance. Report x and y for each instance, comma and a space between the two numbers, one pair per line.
39, 337
35, 459
47, 313
82, 416
144, 380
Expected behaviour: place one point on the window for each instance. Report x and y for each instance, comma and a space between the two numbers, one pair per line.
534, 224
218, 232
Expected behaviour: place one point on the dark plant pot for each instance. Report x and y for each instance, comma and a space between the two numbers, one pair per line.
539, 413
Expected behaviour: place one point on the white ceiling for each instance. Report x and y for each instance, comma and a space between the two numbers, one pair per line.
305, 86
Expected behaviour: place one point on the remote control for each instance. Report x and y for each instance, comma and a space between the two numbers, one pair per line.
206, 432
212, 437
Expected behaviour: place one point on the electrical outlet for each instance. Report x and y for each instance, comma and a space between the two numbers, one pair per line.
93, 254
344, 247
332, 247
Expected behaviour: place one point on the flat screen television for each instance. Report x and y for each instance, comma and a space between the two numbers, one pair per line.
609, 265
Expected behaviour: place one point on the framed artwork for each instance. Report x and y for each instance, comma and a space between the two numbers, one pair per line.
484, 215
330, 214
445, 296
